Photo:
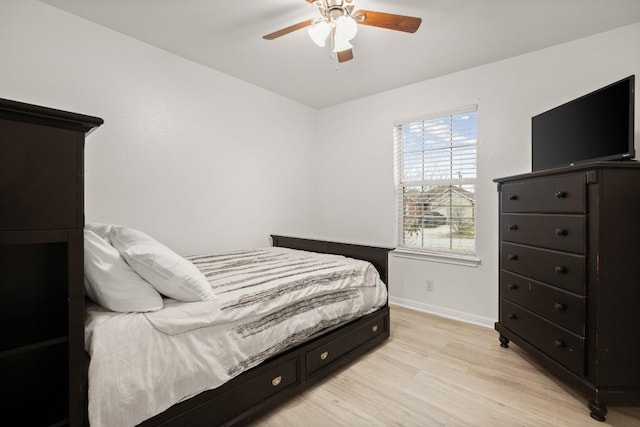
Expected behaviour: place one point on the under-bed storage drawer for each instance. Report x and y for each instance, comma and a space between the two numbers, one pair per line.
325, 354
247, 394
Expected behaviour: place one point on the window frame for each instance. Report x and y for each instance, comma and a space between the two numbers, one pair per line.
452, 256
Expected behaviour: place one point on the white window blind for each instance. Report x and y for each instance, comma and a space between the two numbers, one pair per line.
436, 180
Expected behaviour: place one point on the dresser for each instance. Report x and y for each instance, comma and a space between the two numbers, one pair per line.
570, 276
42, 359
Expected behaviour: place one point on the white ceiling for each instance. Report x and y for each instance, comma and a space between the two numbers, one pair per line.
226, 35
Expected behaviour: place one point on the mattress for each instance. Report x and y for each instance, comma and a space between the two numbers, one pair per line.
268, 300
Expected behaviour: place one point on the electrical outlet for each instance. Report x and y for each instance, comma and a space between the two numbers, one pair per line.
429, 285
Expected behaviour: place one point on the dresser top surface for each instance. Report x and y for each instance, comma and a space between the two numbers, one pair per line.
620, 165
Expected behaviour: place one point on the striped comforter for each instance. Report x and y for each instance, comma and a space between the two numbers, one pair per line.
268, 300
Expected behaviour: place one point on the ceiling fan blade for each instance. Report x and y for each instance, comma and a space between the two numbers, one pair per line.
288, 30
345, 55
408, 24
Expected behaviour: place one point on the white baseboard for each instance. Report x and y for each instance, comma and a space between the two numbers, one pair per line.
444, 312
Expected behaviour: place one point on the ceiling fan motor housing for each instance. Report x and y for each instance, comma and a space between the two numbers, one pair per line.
333, 9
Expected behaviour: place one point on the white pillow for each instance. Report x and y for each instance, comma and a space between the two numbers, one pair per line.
110, 282
168, 272
101, 230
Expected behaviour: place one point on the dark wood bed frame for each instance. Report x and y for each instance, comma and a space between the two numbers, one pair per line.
262, 388
42, 297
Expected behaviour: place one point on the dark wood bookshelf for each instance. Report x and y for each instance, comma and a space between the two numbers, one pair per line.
42, 358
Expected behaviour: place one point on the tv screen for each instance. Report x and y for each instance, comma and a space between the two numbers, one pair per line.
596, 126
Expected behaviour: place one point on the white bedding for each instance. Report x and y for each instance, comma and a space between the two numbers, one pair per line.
268, 300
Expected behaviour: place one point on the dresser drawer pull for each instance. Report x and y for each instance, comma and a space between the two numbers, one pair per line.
559, 307
560, 269
561, 232
276, 381
511, 316
513, 197
512, 257
561, 194
374, 328
512, 286
324, 355
513, 227
558, 343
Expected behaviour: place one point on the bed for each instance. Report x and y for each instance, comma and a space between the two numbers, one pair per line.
342, 326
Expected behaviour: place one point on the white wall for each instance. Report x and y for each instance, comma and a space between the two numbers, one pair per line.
198, 159
356, 189
203, 161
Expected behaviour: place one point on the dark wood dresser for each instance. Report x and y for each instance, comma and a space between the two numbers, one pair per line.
569, 277
42, 358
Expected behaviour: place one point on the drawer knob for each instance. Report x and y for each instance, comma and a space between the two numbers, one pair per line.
511, 316
276, 381
561, 194
512, 257
513, 227
560, 269
374, 328
559, 307
513, 197
558, 343
512, 286
561, 232
324, 355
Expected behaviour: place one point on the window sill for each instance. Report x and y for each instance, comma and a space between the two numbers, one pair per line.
456, 259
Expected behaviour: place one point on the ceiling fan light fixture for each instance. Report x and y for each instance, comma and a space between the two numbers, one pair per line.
319, 32
341, 44
339, 24
346, 27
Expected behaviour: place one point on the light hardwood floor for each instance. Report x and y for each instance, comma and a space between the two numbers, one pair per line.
440, 372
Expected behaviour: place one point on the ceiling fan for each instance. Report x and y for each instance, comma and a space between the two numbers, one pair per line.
338, 25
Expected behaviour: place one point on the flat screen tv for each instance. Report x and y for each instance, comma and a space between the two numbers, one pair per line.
596, 126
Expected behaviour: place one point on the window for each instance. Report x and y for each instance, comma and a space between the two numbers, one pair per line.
436, 180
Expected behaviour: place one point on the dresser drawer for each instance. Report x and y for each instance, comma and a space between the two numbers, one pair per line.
561, 307
563, 346
324, 355
566, 271
562, 194
561, 232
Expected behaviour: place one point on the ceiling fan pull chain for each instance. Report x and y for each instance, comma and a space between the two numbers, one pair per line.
332, 35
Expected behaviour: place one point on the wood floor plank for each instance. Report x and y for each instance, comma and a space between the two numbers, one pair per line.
438, 372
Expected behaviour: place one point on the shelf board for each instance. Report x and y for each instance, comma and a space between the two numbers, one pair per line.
35, 346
